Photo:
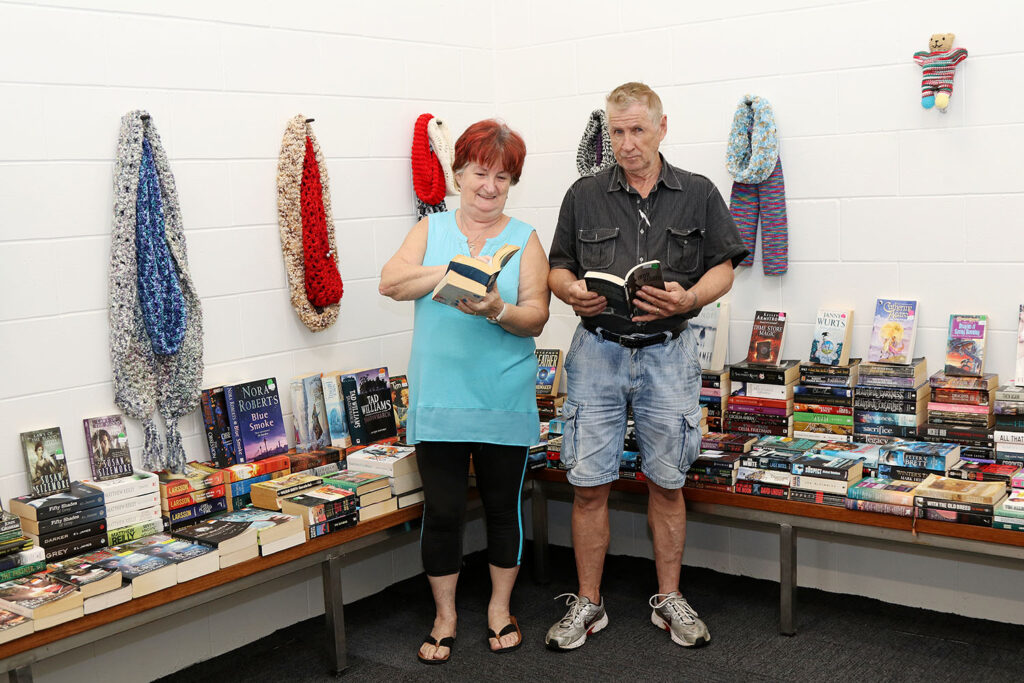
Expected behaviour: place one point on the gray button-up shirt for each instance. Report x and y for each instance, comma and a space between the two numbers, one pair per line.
605, 225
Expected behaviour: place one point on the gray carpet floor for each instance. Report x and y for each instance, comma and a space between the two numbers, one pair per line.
839, 637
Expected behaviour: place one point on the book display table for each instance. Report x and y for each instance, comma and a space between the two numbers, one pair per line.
788, 517
332, 552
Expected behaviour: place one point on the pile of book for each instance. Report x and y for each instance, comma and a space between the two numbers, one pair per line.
1009, 514
268, 495
948, 499
323, 509
192, 496
916, 460
629, 463
960, 411
761, 401
17, 561
65, 524
823, 476
823, 401
714, 470
890, 401
714, 396
133, 506
882, 495
1008, 434
399, 465
239, 479
42, 601
319, 463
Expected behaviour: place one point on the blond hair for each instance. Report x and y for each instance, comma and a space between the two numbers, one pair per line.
633, 92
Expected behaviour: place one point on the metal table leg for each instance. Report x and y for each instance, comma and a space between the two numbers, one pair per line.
787, 579
22, 674
334, 612
539, 501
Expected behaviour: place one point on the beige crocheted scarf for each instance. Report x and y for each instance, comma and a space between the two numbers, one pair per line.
289, 218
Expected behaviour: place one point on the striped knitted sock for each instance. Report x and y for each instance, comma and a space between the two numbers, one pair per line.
743, 205
774, 226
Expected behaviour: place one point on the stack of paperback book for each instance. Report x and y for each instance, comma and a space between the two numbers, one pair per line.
866, 452
761, 402
43, 599
823, 401
947, 499
323, 509
192, 496
269, 495
824, 479
714, 470
714, 395
916, 460
64, 524
240, 478
1008, 434
960, 411
275, 531
629, 463
319, 463
765, 472
235, 541
890, 401
14, 626
1009, 514
133, 506
882, 495
396, 462
309, 413
364, 399
727, 443
370, 489
16, 564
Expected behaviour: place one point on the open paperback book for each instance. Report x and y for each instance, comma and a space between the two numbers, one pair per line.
620, 291
471, 278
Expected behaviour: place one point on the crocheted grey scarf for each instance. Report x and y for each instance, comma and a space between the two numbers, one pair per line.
595, 151
145, 382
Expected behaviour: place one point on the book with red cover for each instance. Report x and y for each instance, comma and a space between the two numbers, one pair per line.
766, 338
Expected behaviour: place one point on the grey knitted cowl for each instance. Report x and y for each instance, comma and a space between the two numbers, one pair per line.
595, 151
145, 382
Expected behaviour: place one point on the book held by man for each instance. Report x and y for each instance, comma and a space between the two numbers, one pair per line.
470, 278
621, 291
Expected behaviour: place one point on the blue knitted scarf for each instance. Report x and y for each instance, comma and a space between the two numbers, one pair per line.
753, 142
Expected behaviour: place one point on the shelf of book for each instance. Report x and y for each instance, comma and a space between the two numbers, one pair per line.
789, 517
327, 550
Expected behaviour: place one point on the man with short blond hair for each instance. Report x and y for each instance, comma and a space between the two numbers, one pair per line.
640, 209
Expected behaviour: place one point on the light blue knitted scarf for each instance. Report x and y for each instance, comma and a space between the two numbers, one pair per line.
753, 141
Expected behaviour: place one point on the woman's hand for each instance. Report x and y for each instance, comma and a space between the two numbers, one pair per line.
488, 307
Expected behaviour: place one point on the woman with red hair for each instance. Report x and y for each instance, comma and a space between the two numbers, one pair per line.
472, 377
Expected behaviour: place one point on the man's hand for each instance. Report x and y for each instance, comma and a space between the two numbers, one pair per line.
663, 303
583, 301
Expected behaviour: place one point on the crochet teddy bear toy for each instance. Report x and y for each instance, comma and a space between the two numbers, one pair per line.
939, 65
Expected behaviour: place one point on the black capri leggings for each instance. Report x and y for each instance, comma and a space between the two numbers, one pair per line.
444, 467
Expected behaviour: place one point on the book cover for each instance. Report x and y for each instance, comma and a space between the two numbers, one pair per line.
217, 427
1018, 375
893, 332
832, 332
27, 595
470, 278
766, 338
965, 345
47, 466
228, 536
367, 395
621, 291
316, 412
132, 564
549, 370
400, 401
78, 497
257, 424
711, 329
107, 441
337, 423
300, 428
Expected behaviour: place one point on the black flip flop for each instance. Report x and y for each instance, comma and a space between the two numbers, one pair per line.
511, 627
447, 641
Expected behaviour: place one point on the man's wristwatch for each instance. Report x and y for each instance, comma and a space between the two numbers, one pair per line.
501, 314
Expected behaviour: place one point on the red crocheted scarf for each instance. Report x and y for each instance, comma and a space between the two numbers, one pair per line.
322, 279
427, 174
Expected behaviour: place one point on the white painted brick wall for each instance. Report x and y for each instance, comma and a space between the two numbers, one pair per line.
885, 199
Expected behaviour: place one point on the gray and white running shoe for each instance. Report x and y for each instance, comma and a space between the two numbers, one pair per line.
582, 619
673, 614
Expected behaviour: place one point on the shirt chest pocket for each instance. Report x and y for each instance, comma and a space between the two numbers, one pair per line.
685, 249
597, 248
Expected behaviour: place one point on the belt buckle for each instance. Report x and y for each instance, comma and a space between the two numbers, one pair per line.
634, 341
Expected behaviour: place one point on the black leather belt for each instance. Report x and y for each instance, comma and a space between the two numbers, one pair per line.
636, 341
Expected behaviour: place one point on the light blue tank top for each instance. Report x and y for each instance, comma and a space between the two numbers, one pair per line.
470, 380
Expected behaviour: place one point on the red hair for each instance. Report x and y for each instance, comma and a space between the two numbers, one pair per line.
491, 143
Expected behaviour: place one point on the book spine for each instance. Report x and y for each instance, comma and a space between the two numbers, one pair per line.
72, 533
822, 409
823, 418
209, 422
753, 488
76, 547
757, 418
896, 419
958, 408
881, 495
817, 497
1005, 436
757, 410
132, 504
72, 519
890, 430
696, 476
971, 518
912, 474
887, 382
883, 508
827, 485
884, 370
83, 502
711, 469
975, 475
233, 420
1010, 394
755, 401
955, 505
130, 533
241, 488
23, 570
870, 405
973, 397
708, 486
759, 375
194, 497
192, 514
356, 428
765, 463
